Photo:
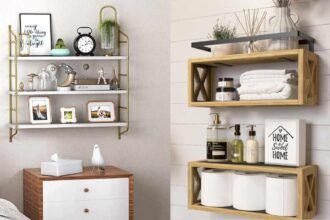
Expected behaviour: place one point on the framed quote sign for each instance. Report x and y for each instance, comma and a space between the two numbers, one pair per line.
285, 142
38, 26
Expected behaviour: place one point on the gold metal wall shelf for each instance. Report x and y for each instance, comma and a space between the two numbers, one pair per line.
14, 94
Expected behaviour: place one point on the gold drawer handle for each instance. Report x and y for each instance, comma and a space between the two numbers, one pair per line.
86, 190
86, 210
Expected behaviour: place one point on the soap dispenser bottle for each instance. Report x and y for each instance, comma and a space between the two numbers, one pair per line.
237, 152
252, 146
217, 143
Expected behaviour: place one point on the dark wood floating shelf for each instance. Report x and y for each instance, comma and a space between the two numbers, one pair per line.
302, 39
307, 182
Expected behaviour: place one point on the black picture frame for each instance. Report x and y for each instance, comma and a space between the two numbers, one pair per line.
25, 19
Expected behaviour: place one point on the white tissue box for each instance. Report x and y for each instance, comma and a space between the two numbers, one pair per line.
61, 168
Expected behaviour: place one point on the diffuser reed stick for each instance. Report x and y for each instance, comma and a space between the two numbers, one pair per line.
251, 24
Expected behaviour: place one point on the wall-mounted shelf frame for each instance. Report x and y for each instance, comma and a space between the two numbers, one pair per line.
302, 39
123, 106
71, 125
44, 93
68, 58
307, 183
201, 90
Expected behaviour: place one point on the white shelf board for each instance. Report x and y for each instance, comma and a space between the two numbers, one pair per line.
62, 58
73, 125
37, 93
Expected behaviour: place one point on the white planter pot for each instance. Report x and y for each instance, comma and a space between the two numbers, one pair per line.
222, 49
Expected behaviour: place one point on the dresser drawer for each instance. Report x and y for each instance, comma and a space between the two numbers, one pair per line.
81, 190
115, 209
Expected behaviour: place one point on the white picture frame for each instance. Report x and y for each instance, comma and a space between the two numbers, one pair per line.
38, 26
40, 110
101, 111
68, 115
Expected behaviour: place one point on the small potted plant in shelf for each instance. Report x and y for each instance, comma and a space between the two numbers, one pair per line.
222, 32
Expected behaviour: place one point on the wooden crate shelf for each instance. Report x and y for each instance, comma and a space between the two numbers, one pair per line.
306, 185
200, 87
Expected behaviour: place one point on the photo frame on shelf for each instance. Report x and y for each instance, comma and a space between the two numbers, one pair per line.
68, 115
101, 111
39, 27
40, 110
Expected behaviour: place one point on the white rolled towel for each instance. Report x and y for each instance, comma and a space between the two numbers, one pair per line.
288, 92
264, 76
262, 88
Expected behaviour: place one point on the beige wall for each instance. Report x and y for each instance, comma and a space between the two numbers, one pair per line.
145, 149
192, 20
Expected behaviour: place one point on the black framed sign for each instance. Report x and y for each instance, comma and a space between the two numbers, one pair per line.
38, 26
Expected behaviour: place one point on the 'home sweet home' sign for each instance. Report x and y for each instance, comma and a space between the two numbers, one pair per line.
285, 142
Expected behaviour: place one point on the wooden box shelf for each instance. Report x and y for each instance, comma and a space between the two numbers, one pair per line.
306, 185
200, 87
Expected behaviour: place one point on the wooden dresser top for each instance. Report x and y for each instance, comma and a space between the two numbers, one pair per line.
110, 172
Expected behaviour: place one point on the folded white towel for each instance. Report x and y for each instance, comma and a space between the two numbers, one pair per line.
265, 88
269, 72
271, 76
288, 92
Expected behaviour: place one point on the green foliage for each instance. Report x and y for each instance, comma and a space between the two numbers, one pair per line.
60, 44
106, 28
222, 32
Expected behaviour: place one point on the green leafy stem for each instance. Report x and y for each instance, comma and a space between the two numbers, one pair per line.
106, 29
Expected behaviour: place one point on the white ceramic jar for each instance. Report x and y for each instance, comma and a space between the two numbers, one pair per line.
222, 49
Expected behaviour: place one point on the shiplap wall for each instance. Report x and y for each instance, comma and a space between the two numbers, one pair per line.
192, 20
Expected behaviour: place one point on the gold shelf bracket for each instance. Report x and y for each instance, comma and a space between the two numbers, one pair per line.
126, 107
13, 78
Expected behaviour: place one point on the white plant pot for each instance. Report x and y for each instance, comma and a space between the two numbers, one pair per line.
222, 49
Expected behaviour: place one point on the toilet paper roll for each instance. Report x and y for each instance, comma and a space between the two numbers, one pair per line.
249, 191
216, 188
281, 195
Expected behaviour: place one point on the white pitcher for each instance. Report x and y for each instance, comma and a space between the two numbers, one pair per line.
284, 21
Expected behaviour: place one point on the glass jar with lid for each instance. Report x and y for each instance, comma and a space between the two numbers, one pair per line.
226, 82
217, 141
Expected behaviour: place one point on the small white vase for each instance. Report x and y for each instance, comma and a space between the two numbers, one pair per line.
222, 49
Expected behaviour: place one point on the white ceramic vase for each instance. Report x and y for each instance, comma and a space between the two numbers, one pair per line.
222, 49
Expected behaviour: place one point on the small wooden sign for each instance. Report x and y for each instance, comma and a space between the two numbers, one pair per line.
285, 142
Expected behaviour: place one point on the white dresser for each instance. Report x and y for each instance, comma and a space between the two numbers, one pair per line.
85, 196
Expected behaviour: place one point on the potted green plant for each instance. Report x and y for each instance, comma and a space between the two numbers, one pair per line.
109, 29
222, 32
60, 49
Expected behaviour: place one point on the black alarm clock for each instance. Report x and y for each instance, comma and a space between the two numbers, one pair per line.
84, 44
